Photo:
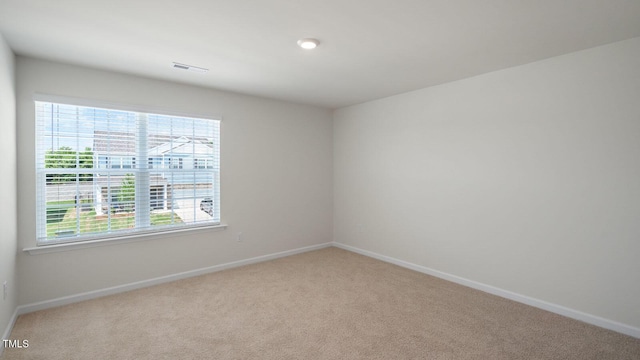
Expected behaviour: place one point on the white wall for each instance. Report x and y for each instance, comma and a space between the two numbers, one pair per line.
276, 181
8, 218
525, 179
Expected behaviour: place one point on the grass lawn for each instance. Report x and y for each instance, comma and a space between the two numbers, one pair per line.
56, 210
62, 220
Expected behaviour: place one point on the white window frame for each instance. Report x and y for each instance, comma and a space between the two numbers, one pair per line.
100, 238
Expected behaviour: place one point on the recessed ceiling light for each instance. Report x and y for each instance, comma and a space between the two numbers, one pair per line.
308, 43
189, 67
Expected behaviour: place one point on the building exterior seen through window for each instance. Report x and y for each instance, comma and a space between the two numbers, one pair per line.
92, 184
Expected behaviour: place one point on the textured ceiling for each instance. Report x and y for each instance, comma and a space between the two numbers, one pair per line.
369, 48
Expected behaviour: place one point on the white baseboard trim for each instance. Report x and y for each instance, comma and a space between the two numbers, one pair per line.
544, 305
47, 304
7, 331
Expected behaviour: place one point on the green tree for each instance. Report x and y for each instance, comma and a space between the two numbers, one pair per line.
127, 193
67, 158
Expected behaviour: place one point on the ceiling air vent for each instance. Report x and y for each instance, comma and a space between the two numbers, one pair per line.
189, 67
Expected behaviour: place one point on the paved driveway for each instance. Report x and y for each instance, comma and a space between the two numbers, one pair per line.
189, 210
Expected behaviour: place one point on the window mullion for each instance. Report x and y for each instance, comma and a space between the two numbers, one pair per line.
143, 203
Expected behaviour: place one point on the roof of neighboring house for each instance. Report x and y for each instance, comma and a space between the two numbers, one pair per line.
123, 143
181, 145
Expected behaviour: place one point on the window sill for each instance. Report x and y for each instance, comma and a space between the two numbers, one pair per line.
45, 249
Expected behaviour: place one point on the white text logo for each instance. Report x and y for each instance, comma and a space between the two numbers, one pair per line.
19, 344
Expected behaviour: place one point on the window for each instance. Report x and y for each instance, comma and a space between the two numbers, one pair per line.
202, 164
90, 186
175, 163
155, 162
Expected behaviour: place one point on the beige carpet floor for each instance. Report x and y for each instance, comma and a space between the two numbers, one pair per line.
325, 304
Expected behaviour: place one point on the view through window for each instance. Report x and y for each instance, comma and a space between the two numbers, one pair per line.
106, 173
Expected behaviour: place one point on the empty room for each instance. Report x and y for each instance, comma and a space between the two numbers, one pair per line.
277, 179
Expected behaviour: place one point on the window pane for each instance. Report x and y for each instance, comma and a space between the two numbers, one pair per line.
91, 186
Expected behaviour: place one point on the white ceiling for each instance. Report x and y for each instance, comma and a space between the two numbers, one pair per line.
369, 48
